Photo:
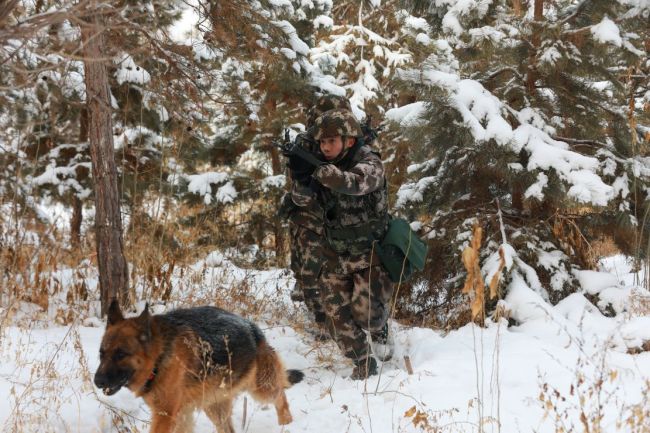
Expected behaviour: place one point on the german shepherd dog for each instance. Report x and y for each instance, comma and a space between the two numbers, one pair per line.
187, 359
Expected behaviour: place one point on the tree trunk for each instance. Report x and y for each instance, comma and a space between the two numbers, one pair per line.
113, 272
77, 204
536, 40
278, 230
276, 166
75, 222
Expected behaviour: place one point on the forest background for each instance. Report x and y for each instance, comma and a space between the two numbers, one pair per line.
530, 120
137, 158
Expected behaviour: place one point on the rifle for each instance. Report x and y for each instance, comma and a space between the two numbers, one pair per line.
304, 141
297, 147
369, 133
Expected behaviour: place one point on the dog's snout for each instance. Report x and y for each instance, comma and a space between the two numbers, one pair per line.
101, 381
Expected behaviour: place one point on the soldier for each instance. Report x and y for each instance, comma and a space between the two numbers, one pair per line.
351, 190
307, 236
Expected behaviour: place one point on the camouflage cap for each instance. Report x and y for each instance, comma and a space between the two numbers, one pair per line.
337, 122
326, 103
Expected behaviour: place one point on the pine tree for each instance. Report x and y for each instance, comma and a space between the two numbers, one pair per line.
265, 83
539, 136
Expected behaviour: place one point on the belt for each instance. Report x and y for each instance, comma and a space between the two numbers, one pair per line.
366, 230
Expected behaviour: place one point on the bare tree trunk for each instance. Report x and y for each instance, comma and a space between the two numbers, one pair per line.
75, 222
113, 272
77, 204
531, 76
279, 231
276, 166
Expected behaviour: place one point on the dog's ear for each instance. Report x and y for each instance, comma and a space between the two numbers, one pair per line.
145, 324
114, 314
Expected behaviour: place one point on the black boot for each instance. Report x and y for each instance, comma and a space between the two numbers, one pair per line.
364, 368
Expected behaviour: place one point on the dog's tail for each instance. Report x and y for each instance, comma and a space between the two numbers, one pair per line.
295, 376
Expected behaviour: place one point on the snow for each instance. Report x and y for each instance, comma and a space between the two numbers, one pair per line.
423, 38
621, 187
550, 55
273, 182
226, 193
73, 84
184, 29
417, 23
408, 115
323, 21
128, 72
593, 282
200, 184
497, 372
607, 32
588, 187
535, 190
485, 116
297, 44
638, 8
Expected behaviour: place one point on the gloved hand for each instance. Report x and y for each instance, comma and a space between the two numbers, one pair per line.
301, 170
298, 164
315, 185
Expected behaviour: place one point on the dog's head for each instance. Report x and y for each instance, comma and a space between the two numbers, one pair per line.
124, 349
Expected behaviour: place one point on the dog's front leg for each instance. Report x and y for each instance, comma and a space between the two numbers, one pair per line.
163, 420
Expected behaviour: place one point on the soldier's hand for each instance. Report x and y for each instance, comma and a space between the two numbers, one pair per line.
301, 170
302, 177
298, 164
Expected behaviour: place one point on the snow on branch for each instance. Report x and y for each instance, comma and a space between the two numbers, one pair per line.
201, 184
485, 116
129, 72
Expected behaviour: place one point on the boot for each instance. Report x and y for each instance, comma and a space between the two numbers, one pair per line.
364, 368
382, 344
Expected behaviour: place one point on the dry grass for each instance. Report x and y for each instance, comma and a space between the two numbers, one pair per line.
603, 248
639, 304
62, 283
591, 403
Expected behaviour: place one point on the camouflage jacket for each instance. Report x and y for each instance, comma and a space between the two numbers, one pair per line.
353, 197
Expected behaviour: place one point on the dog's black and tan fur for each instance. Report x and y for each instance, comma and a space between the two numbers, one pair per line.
196, 358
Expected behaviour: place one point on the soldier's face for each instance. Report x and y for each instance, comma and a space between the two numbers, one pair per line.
331, 147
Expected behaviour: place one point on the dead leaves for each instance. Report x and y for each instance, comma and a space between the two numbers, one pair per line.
474, 284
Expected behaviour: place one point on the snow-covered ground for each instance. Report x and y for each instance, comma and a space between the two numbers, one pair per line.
565, 366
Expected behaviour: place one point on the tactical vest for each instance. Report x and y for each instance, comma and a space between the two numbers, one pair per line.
353, 222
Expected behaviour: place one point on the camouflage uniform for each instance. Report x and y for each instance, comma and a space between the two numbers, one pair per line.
306, 231
355, 289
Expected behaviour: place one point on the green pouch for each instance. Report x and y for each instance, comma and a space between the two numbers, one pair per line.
401, 251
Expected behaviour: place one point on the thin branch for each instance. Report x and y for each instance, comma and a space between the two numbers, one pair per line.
501, 71
578, 141
6, 8
575, 12
28, 27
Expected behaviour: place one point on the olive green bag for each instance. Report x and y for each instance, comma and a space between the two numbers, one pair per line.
401, 251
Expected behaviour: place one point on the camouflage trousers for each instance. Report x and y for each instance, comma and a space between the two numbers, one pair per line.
355, 300
307, 249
